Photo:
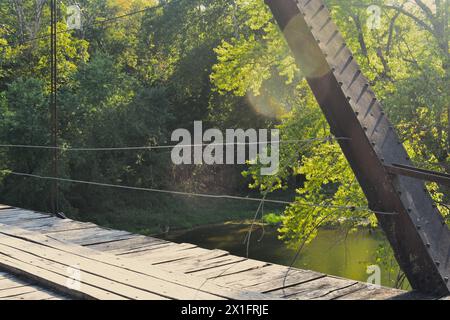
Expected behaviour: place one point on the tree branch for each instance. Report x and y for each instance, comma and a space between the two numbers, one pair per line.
410, 15
425, 9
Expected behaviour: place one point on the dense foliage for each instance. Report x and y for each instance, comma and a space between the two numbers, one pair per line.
132, 81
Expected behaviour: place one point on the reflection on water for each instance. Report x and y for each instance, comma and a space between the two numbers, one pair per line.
332, 252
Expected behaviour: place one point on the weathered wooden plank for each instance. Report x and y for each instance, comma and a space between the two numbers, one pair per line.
250, 277
160, 251
16, 291
342, 292
54, 281
37, 223
137, 253
112, 279
7, 283
270, 278
6, 212
56, 298
193, 258
147, 248
241, 266
85, 277
178, 284
18, 216
71, 235
214, 258
35, 295
315, 288
372, 293
62, 225
90, 236
41, 222
169, 255
32, 292
213, 261
50, 227
17, 211
126, 245
10, 282
104, 238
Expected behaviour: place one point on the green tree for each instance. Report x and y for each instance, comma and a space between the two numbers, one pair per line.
24, 120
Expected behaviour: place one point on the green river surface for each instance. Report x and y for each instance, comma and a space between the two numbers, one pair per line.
332, 251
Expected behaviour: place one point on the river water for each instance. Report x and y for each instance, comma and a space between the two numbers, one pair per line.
332, 252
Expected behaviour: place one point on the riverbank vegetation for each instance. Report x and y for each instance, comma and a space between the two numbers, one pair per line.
132, 80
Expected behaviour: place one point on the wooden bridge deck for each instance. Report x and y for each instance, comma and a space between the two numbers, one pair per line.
47, 253
13, 288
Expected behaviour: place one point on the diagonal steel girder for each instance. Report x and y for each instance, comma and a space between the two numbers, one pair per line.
417, 232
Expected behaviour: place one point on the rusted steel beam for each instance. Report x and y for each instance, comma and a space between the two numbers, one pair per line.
422, 174
418, 233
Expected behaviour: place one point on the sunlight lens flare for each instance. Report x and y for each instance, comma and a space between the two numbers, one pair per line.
267, 105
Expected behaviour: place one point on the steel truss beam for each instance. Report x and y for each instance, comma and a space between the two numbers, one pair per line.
418, 233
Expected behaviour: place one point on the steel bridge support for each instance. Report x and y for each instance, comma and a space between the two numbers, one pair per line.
417, 232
